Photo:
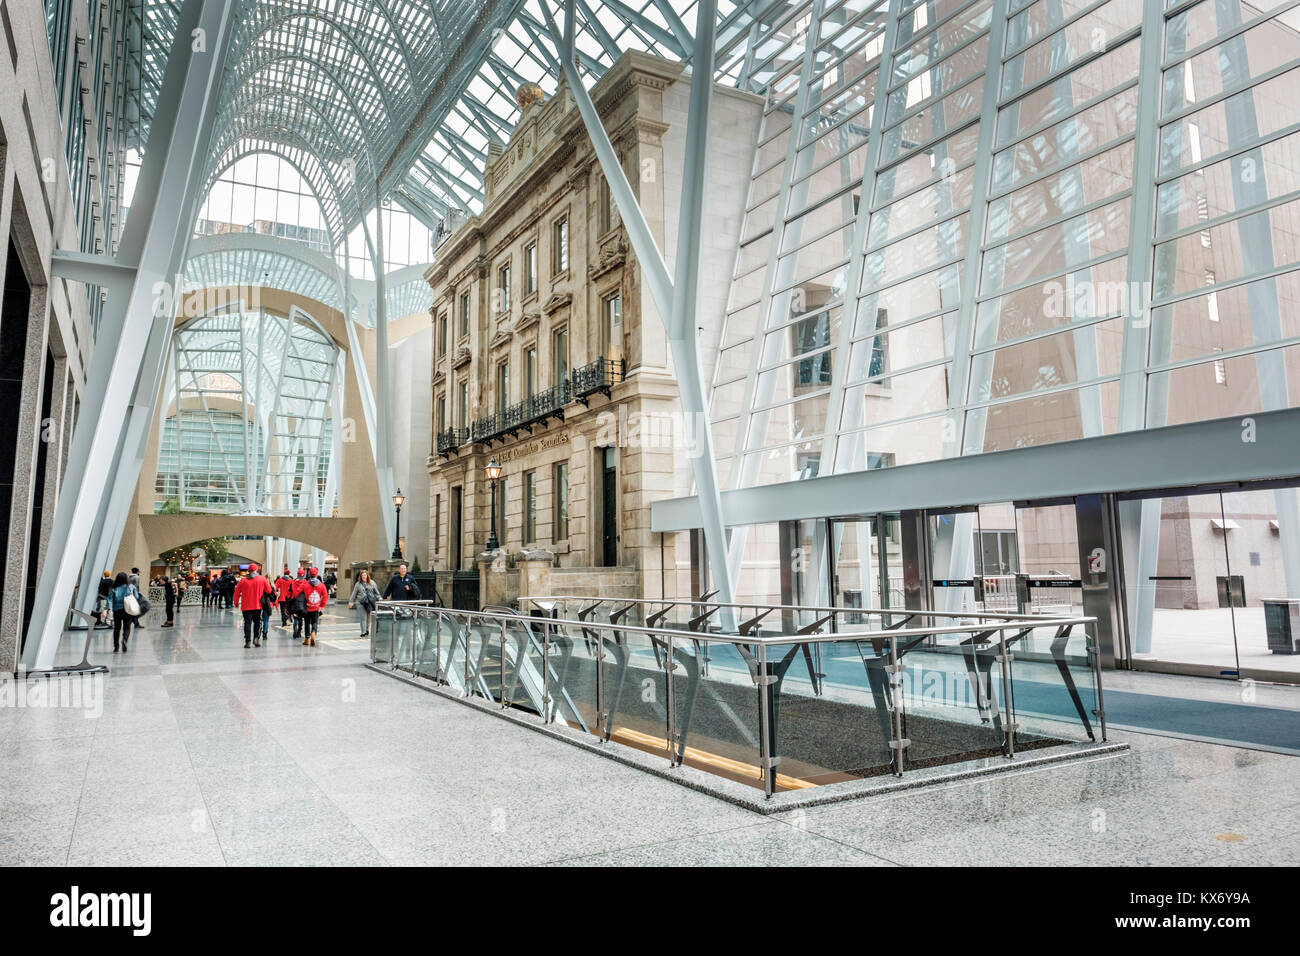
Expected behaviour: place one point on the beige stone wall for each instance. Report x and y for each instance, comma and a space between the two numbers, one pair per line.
548, 172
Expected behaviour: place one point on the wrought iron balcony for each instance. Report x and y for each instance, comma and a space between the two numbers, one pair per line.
538, 408
598, 376
451, 439
485, 428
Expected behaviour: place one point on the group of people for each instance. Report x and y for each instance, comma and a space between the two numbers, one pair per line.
301, 600
121, 603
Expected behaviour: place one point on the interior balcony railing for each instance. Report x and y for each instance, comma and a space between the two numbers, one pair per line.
451, 439
777, 711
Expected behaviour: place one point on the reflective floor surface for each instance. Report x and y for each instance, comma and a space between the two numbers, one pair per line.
202, 752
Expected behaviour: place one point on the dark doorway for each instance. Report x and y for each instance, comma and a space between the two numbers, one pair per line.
15, 308
43, 428
609, 507
455, 547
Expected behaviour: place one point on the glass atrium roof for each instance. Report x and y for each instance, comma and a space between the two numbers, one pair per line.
411, 94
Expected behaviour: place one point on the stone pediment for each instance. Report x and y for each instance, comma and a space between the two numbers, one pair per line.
557, 302
611, 257
526, 321
439, 375
502, 336
461, 357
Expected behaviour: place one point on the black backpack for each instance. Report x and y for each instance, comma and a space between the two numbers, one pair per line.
268, 601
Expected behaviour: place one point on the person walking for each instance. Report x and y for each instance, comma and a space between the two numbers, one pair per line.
316, 595
181, 587
206, 585
104, 606
248, 596
331, 581
169, 601
365, 595
283, 594
123, 622
269, 600
298, 601
402, 587
134, 581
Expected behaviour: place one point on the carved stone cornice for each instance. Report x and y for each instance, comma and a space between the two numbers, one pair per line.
558, 301
462, 357
638, 129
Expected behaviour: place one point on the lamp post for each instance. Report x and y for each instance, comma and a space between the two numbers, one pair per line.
399, 499
493, 472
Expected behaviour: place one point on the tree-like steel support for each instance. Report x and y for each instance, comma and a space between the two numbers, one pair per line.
149, 256
676, 301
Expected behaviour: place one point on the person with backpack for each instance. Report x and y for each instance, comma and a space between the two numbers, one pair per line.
134, 581
125, 600
103, 606
298, 601
365, 595
283, 594
248, 596
315, 596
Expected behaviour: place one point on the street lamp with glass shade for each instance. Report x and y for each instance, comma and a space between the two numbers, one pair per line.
493, 472
399, 499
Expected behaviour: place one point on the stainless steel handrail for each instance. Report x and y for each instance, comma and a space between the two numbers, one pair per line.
664, 604
755, 647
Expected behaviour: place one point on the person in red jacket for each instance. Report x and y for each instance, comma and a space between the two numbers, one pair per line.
283, 592
248, 598
316, 595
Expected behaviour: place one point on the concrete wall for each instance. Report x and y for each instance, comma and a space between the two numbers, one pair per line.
410, 418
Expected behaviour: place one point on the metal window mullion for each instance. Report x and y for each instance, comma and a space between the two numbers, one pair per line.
1025, 233
971, 267
1248, 85
774, 253
1227, 218
1227, 284
1064, 24
947, 217
1039, 392
1045, 333
1142, 222
1009, 288
1236, 149
1231, 34
921, 187
996, 193
1206, 358
853, 300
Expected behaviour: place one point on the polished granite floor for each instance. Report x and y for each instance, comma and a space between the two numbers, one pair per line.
207, 753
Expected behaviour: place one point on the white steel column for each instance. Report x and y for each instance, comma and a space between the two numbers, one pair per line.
153, 243
675, 302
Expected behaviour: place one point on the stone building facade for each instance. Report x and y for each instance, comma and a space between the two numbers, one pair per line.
549, 355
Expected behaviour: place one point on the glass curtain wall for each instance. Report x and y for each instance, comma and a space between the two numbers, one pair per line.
984, 225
